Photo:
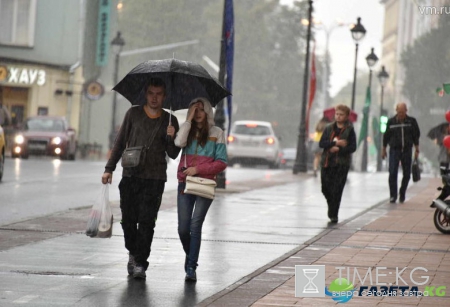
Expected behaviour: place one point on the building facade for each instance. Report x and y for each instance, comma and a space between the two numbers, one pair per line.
55, 60
405, 21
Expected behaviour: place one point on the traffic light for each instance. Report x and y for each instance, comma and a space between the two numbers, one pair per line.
383, 120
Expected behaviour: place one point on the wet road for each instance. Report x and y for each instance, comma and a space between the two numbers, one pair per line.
41, 186
242, 233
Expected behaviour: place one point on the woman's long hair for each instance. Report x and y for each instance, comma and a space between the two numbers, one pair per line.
199, 134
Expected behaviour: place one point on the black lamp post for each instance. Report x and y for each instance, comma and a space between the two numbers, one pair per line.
300, 164
219, 116
371, 59
358, 33
116, 44
383, 77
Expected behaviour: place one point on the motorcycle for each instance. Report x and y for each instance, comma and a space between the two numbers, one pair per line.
441, 217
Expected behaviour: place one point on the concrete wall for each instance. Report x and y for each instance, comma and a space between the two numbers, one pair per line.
56, 38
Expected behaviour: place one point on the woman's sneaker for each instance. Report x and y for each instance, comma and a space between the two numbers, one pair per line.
190, 274
131, 264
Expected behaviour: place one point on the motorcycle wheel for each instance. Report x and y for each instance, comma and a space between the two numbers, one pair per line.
441, 222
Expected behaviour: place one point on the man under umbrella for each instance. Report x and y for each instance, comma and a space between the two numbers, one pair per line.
141, 187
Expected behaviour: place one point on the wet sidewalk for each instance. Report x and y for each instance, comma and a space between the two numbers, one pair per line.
389, 236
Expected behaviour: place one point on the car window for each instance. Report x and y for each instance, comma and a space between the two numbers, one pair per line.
49, 125
252, 130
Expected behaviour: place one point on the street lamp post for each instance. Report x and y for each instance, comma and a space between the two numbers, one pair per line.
325, 76
116, 44
358, 33
300, 164
328, 32
383, 77
371, 60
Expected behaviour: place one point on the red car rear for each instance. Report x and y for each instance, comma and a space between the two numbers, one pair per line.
45, 135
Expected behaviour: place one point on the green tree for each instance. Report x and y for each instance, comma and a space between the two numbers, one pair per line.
269, 50
427, 66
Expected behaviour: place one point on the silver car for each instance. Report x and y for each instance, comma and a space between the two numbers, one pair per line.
253, 142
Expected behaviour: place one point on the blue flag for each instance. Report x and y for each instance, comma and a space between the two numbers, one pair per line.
229, 55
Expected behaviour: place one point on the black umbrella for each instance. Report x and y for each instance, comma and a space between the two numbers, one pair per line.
439, 132
184, 82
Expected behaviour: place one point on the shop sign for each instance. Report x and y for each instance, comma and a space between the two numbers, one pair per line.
103, 33
28, 76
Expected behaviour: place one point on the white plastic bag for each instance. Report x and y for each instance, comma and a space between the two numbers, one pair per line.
100, 220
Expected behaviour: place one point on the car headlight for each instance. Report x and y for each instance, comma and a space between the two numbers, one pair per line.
19, 139
56, 141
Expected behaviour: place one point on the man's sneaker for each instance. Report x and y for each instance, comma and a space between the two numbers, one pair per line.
334, 220
402, 199
190, 274
139, 272
131, 264
392, 200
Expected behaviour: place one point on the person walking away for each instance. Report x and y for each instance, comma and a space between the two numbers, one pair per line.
204, 155
402, 132
141, 187
338, 142
317, 151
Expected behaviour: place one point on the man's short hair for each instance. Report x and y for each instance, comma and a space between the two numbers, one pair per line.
343, 108
157, 82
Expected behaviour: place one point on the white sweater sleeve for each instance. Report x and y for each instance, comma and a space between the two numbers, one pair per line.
182, 135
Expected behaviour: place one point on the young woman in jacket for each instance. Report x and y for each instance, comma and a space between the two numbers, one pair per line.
204, 155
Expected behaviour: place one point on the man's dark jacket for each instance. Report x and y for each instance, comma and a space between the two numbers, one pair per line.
401, 135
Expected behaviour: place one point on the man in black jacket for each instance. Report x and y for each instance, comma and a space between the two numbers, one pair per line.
141, 188
402, 132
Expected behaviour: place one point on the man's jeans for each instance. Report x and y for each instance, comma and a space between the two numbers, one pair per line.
395, 157
192, 211
140, 200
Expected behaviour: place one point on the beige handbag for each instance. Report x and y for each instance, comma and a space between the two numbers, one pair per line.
199, 186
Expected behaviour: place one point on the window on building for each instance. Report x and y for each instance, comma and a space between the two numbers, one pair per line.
17, 19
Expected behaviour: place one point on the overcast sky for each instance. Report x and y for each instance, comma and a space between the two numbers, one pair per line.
341, 44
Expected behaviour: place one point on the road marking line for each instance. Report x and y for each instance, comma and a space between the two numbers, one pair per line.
25, 299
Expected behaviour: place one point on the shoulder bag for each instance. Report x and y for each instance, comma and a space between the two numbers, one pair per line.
199, 186
134, 156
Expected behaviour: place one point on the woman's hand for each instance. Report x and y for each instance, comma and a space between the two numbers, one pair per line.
191, 112
190, 171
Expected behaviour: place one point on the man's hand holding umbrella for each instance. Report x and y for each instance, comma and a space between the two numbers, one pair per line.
171, 131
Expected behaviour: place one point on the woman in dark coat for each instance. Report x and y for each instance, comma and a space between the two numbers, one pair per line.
338, 142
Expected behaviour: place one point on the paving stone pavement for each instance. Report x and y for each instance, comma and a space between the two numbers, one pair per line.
403, 235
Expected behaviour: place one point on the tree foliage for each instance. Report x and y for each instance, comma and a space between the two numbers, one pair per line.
269, 50
427, 67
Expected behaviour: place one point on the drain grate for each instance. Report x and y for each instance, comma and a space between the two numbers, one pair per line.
50, 273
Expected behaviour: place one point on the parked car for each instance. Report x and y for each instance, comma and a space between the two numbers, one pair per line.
45, 135
288, 156
2, 152
253, 142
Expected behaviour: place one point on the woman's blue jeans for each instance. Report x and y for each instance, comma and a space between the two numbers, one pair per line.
192, 211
